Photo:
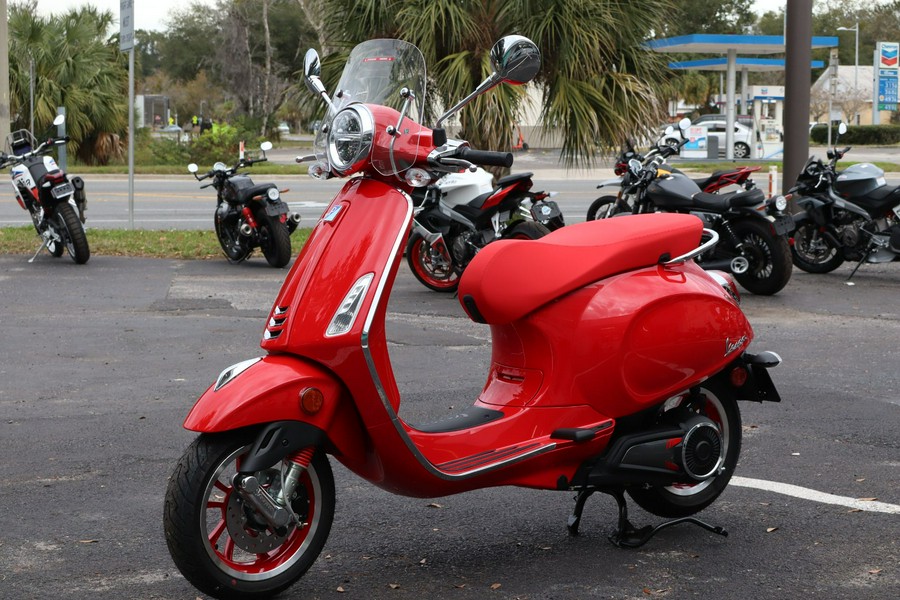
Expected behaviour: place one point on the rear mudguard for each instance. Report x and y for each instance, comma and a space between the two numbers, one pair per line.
268, 391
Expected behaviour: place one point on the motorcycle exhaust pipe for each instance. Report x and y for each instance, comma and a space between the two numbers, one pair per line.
245, 229
293, 219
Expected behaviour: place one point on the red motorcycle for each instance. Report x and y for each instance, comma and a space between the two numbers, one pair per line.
617, 369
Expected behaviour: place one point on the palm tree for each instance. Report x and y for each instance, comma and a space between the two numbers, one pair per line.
77, 66
597, 83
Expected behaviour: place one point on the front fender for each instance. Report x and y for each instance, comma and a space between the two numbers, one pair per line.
269, 390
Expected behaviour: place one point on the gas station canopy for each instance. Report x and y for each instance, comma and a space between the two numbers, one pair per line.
731, 45
741, 63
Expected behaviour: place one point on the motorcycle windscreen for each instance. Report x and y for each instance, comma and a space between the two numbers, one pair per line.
375, 73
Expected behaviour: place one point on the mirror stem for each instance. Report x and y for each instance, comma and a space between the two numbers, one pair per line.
484, 86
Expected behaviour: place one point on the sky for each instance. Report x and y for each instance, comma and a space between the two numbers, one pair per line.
154, 14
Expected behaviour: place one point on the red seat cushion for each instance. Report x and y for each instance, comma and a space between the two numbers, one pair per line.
510, 278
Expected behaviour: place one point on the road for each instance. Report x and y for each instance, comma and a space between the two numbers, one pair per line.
102, 362
177, 202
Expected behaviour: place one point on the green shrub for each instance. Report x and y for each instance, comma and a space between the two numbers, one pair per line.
859, 135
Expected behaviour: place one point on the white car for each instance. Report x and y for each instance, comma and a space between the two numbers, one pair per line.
743, 136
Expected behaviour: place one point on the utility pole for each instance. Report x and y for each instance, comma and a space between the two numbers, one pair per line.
798, 55
4, 72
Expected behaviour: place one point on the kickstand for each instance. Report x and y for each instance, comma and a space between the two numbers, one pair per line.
626, 535
858, 265
43, 245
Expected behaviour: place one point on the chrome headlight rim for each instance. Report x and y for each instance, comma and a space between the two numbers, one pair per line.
273, 194
338, 157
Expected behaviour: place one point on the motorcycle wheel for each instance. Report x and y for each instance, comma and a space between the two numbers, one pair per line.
769, 256
274, 239
812, 252
526, 230
683, 500
219, 543
603, 208
75, 239
233, 247
440, 278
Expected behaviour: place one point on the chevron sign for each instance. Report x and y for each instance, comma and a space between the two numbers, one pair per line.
888, 54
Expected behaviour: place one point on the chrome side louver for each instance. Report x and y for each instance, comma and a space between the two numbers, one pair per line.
277, 322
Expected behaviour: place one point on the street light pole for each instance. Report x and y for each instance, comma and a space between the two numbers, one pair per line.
855, 30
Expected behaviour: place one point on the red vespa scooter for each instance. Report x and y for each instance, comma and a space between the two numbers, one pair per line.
617, 370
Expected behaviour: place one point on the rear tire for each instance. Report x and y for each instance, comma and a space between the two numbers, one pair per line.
769, 256
676, 501
75, 238
431, 274
274, 239
526, 230
813, 252
211, 532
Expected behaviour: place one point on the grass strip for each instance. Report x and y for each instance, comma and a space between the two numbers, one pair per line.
172, 243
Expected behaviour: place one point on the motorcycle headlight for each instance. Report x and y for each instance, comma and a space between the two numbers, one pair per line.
781, 203
350, 137
272, 193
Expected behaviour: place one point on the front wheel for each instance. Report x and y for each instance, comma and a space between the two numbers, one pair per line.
768, 255
432, 268
74, 238
274, 239
717, 403
234, 247
220, 543
814, 252
603, 208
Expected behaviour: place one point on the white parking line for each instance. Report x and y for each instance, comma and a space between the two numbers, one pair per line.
807, 494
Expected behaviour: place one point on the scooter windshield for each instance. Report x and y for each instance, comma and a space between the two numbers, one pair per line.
375, 73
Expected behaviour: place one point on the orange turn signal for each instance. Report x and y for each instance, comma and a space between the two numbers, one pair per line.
312, 400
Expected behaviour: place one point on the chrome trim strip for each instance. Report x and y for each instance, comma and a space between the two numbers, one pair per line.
373, 373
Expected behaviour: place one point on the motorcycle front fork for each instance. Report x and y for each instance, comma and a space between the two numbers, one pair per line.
275, 508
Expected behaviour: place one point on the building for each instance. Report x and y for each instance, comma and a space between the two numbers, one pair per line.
852, 100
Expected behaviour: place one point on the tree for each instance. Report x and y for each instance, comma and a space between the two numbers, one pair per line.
710, 16
598, 83
76, 65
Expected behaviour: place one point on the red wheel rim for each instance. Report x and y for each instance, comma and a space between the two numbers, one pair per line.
422, 265
240, 563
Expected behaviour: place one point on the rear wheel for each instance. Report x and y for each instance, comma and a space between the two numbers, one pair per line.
220, 543
813, 252
75, 239
681, 500
526, 230
769, 256
603, 208
431, 268
274, 239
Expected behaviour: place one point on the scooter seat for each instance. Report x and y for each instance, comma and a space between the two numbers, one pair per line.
510, 278
720, 203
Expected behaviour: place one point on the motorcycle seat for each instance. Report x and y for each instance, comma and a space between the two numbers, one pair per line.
510, 278
245, 194
720, 203
510, 179
702, 182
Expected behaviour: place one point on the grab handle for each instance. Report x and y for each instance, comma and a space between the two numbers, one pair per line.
708, 245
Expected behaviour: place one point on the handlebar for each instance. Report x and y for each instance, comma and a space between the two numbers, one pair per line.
485, 157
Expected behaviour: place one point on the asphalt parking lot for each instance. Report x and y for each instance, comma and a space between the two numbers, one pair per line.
102, 362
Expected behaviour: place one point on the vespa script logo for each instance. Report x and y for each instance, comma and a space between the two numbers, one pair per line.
732, 346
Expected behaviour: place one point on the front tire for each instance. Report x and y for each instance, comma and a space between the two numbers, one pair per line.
432, 271
274, 240
813, 252
604, 207
233, 246
769, 256
682, 500
75, 238
211, 533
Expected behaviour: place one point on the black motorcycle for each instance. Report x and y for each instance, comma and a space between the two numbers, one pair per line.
55, 202
849, 215
250, 215
753, 229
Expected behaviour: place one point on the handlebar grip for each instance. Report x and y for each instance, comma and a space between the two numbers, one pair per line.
486, 157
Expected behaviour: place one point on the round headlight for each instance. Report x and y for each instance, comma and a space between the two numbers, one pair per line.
780, 202
272, 193
350, 137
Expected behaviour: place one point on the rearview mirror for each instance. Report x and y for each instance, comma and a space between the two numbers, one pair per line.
842, 128
515, 59
684, 124
312, 69
59, 120
193, 168
265, 146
